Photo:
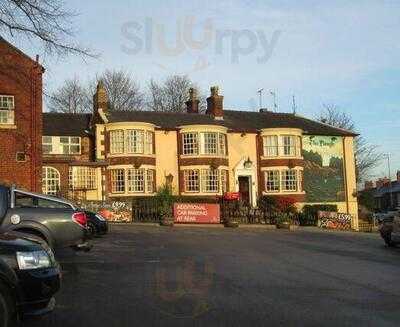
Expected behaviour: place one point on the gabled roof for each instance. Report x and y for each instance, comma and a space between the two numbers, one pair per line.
246, 121
14, 48
62, 124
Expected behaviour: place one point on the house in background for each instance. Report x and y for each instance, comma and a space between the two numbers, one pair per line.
386, 193
119, 155
20, 118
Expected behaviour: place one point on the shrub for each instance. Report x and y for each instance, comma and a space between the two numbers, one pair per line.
309, 214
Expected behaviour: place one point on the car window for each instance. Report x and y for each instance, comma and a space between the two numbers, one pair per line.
29, 201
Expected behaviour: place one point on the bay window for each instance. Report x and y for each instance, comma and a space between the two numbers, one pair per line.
204, 143
284, 180
190, 143
289, 145
117, 181
205, 180
209, 143
131, 180
192, 180
6, 109
271, 146
281, 145
131, 141
272, 180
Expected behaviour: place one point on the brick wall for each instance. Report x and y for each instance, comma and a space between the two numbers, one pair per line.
22, 78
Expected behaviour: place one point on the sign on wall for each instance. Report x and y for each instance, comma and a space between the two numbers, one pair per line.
334, 220
323, 168
197, 213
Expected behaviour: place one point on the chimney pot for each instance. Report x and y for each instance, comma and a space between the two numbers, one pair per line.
215, 104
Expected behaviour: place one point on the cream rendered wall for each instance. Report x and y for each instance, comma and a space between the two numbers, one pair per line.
242, 146
350, 177
167, 158
100, 147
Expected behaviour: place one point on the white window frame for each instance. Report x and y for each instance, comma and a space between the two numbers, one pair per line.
224, 180
150, 187
118, 184
272, 181
271, 146
47, 141
289, 177
135, 180
149, 142
82, 178
191, 180
210, 143
70, 144
134, 141
50, 180
117, 141
190, 143
222, 144
210, 180
7, 109
290, 146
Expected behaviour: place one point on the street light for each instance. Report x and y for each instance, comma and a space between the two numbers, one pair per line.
390, 181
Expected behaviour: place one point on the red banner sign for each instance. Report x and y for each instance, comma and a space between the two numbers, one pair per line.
196, 213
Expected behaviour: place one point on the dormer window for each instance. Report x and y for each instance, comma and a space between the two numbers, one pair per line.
6, 109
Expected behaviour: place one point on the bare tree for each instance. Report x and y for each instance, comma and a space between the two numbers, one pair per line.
75, 97
123, 90
367, 156
171, 94
47, 20
71, 97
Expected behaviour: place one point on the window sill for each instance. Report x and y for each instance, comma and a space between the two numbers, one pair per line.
284, 193
129, 155
201, 194
8, 126
282, 157
194, 156
115, 195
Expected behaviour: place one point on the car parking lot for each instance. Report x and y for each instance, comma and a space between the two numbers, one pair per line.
182, 276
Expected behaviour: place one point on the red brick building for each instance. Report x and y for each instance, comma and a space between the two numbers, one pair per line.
20, 118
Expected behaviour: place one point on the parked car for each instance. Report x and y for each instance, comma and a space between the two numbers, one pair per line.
96, 224
58, 222
389, 228
29, 277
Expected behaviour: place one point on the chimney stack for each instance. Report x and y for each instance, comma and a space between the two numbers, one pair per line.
192, 105
215, 104
100, 99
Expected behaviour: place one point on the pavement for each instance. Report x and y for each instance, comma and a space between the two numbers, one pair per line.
188, 276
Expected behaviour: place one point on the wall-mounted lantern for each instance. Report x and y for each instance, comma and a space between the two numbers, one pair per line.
248, 163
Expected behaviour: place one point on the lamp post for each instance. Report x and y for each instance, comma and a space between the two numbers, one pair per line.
390, 181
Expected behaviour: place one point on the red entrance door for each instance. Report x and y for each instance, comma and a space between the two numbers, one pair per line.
244, 188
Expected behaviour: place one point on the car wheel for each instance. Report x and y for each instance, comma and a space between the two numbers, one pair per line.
8, 312
92, 230
388, 240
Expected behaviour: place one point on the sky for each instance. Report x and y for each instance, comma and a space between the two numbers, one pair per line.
342, 53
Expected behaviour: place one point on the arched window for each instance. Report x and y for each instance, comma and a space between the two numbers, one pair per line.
50, 181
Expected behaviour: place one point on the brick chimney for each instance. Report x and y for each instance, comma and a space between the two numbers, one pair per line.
100, 99
192, 105
215, 104
368, 185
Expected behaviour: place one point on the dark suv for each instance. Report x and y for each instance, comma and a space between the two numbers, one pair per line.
58, 222
29, 277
